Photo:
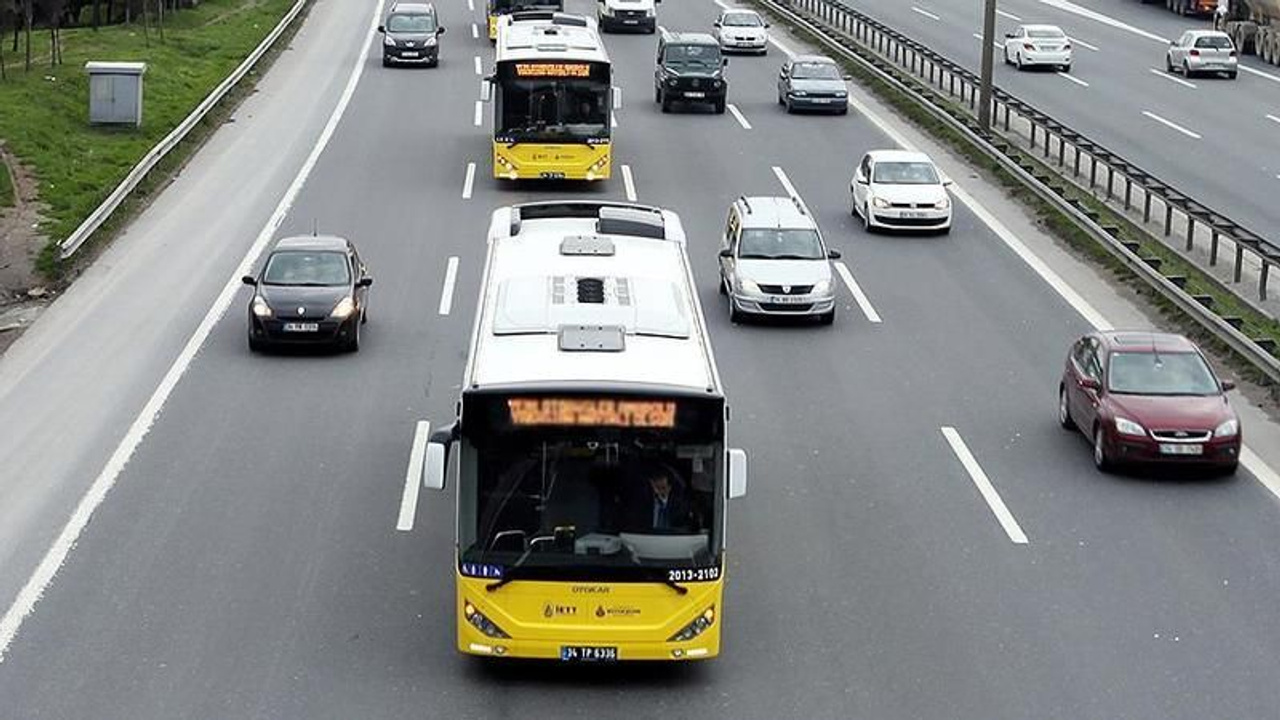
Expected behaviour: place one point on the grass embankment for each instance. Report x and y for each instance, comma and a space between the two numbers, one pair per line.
1252, 323
45, 113
6, 188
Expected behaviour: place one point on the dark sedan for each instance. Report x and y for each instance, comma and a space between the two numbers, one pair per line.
813, 82
312, 290
1146, 397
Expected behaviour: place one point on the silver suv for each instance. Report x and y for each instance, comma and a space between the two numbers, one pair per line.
773, 261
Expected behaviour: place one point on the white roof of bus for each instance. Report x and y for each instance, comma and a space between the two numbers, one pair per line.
530, 291
548, 40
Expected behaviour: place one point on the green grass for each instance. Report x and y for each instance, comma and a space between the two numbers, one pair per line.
44, 113
6, 188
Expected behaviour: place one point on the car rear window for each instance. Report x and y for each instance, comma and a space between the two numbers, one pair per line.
1045, 34
1215, 42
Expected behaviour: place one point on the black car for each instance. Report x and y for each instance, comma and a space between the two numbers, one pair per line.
813, 82
410, 35
312, 290
690, 69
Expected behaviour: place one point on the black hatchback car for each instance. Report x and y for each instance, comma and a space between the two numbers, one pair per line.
313, 290
411, 35
690, 69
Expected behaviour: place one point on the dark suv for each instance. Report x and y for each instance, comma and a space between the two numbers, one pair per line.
410, 34
689, 69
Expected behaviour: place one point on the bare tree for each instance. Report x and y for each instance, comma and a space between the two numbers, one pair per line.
27, 22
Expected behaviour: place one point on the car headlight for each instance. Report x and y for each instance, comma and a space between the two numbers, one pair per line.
697, 627
651, 12
822, 287
1230, 428
841, 93
1124, 426
261, 308
606, 10
431, 42
799, 93
879, 202
671, 81
749, 287
482, 623
388, 41
943, 204
343, 309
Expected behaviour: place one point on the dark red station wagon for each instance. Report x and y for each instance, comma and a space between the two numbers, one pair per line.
1145, 397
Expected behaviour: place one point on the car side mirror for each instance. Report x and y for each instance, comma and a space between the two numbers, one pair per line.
768, 25
437, 458
833, 254
440, 30
1089, 383
782, 73
1173, 43
846, 78
860, 179
724, 62
737, 473
715, 24
382, 28
365, 282
249, 280
946, 182
1008, 35
1228, 385
726, 253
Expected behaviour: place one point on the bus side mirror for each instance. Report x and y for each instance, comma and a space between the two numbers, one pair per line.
486, 88
737, 473
617, 98
438, 456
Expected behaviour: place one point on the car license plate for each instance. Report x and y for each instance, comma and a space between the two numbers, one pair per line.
551, 175
409, 54
912, 214
1181, 449
630, 22
788, 299
822, 100
301, 327
695, 94
586, 653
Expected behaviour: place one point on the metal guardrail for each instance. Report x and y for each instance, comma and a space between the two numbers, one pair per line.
103, 212
1123, 179
889, 44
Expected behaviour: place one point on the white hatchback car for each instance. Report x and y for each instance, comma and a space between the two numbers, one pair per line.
744, 30
900, 190
1207, 51
1030, 45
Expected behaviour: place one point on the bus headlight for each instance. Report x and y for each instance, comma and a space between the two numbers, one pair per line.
482, 623
697, 627
600, 164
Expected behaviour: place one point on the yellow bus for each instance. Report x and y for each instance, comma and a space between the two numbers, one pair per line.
497, 8
589, 453
552, 94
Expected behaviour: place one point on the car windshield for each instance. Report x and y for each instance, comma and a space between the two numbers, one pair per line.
692, 57
1152, 373
815, 71
417, 23
1214, 42
905, 173
1045, 33
772, 244
306, 268
741, 20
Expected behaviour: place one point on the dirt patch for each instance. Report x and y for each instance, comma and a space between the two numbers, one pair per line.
20, 243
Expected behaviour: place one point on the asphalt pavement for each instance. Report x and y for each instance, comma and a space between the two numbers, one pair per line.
247, 562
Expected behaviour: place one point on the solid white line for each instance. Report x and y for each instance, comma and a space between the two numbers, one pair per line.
1260, 470
1171, 125
1172, 78
413, 476
1011, 16
628, 183
858, 296
1007, 521
1072, 78
479, 67
1273, 118
450, 279
469, 182
738, 115
786, 183
1259, 73
925, 13
479, 114
1083, 44
475, 31
44, 574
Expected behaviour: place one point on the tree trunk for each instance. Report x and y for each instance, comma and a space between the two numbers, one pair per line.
30, 12
97, 19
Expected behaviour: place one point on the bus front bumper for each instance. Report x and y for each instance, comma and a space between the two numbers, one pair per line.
705, 647
527, 162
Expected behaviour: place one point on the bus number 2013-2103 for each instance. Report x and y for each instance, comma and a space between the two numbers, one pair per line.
693, 574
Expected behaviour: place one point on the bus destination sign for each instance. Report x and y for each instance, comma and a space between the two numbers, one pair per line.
553, 70
597, 412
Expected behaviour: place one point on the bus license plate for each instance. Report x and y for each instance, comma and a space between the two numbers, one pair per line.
584, 653
551, 175
1181, 449
301, 327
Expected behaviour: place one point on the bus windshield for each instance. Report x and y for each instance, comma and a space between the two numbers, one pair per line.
553, 109
608, 497
507, 6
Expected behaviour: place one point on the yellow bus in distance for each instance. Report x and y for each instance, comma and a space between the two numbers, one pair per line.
495, 9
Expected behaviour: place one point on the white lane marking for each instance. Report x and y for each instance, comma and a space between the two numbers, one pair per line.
925, 13
413, 476
1273, 118
469, 182
613, 119
30, 594
471, 5
479, 67
1173, 78
1250, 460
996, 45
739, 117
786, 183
1011, 16
1083, 44
1171, 125
856, 290
475, 31
1259, 73
1067, 6
479, 114
450, 279
628, 183
980, 479
1072, 78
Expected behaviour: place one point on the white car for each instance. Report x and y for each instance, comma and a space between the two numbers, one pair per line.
1202, 51
900, 190
739, 29
618, 15
1030, 45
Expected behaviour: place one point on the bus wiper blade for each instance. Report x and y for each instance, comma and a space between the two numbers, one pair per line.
507, 576
680, 589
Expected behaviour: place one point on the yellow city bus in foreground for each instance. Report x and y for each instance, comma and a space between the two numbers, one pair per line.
495, 9
589, 453
553, 99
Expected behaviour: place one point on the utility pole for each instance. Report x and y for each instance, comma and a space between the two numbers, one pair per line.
988, 44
